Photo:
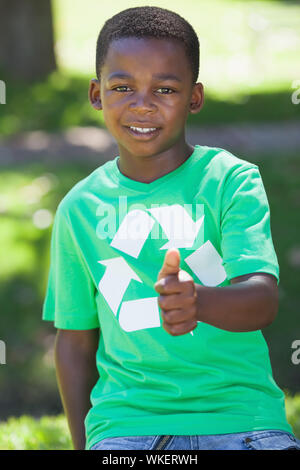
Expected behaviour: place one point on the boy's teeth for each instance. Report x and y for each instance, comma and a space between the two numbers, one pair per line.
143, 129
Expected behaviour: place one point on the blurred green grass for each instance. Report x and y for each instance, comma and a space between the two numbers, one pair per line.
27, 433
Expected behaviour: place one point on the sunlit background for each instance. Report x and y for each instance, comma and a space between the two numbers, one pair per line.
50, 138
245, 46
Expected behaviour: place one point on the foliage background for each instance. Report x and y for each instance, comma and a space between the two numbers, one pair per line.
249, 60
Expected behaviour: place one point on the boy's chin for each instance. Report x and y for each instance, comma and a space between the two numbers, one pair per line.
141, 153
141, 149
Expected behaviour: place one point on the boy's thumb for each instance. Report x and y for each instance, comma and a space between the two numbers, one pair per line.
171, 263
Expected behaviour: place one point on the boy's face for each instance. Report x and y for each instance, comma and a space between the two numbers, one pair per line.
146, 84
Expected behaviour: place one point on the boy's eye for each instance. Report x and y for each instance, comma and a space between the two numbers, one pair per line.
165, 90
121, 88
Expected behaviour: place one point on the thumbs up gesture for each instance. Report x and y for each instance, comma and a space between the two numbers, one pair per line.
178, 298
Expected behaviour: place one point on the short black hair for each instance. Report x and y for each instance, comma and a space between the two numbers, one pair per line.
148, 22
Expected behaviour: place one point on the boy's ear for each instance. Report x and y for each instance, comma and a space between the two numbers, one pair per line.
94, 94
197, 99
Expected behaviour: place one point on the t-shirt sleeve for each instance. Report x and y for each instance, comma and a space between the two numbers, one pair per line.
70, 295
246, 240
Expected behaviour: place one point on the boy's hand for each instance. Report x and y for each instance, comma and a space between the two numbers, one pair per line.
178, 299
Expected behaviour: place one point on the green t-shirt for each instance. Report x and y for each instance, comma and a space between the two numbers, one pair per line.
109, 240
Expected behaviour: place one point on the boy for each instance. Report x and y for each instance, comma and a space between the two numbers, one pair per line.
181, 362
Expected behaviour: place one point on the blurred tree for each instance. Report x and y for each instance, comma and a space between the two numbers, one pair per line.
26, 39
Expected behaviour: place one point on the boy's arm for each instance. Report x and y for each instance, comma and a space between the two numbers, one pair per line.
76, 371
250, 303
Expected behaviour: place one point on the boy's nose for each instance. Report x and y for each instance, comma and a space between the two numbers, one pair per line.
142, 102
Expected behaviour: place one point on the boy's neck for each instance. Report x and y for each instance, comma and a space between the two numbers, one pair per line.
148, 169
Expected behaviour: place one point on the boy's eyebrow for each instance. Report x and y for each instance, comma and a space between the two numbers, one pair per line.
159, 76
167, 76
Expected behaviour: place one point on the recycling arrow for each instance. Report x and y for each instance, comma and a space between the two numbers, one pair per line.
206, 263
118, 273
133, 232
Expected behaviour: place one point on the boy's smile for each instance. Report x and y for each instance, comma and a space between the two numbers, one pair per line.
146, 94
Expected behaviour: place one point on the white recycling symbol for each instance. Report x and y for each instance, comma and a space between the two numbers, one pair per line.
134, 230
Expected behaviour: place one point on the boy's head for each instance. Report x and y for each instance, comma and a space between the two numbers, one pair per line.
147, 66
149, 22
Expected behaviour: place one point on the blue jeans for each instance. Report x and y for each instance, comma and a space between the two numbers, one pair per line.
252, 440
